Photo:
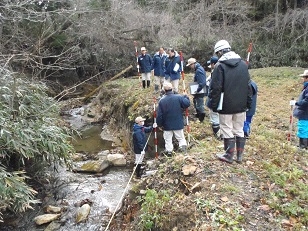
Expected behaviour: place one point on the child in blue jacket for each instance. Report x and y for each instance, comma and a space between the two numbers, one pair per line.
140, 142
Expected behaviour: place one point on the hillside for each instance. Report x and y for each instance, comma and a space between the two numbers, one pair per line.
268, 191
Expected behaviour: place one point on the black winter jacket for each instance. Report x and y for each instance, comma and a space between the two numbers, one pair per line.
230, 76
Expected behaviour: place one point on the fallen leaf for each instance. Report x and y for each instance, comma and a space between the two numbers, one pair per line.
245, 204
264, 207
249, 162
287, 223
224, 199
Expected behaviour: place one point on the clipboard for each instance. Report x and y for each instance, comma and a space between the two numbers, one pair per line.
193, 88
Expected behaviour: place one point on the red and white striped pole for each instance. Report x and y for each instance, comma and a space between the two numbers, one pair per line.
136, 49
155, 130
249, 51
184, 90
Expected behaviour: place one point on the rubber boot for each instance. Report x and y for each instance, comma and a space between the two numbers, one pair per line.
197, 115
229, 143
138, 171
216, 128
201, 117
148, 83
143, 83
306, 143
240, 144
303, 143
156, 87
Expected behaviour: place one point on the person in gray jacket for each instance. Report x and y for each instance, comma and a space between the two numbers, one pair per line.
230, 95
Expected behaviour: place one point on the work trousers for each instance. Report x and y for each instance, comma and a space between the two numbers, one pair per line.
179, 135
232, 124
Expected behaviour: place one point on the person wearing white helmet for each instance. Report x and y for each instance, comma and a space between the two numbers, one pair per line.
231, 96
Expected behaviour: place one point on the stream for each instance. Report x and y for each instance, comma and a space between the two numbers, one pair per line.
70, 190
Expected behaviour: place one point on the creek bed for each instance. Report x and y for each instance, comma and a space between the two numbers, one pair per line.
70, 189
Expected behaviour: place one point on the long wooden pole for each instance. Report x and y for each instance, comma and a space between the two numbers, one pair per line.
100, 86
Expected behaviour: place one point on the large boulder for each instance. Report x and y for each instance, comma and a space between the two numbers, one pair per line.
96, 166
46, 218
117, 159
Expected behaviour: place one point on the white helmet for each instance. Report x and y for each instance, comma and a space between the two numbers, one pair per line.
220, 45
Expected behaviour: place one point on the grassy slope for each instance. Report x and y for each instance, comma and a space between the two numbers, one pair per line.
268, 191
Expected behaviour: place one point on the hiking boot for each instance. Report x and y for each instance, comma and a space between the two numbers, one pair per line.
229, 144
303, 143
240, 143
201, 117
183, 149
138, 171
148, 83
156, 89
143, 83
216, 128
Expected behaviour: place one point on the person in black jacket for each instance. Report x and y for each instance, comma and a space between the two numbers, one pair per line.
230, 95
140, 141
200, 78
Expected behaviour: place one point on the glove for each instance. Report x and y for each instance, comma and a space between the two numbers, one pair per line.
142, 152
155, 125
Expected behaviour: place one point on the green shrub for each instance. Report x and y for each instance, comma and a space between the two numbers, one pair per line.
31, 137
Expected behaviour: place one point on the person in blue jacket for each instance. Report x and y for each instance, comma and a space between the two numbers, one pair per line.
173, 69
200, 78
250, 113
140, 141
145, 63
301, 113
159, 71
170, 118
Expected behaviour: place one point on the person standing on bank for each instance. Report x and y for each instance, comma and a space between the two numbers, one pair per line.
145, 63
158, 67
230, 95
251, 112
170, 118
173, 69
200, 78
301, 113
140, 141
214, 116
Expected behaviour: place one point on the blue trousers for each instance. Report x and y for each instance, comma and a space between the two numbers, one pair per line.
199, 103
302, 128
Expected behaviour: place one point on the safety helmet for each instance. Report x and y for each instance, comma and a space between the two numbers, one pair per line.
220, 45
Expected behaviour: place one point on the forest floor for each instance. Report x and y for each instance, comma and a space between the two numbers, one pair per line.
267, 191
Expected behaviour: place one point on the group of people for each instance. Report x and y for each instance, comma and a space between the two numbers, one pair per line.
166, 67
231, 99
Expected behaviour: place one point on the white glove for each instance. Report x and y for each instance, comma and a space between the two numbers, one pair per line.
155, 125
292, 102
142, 152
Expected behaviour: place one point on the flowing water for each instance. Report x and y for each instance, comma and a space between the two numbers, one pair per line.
70, 190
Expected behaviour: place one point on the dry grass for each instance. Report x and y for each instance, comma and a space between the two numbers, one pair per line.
268, 191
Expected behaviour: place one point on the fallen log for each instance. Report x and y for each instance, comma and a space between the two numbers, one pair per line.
100, 86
